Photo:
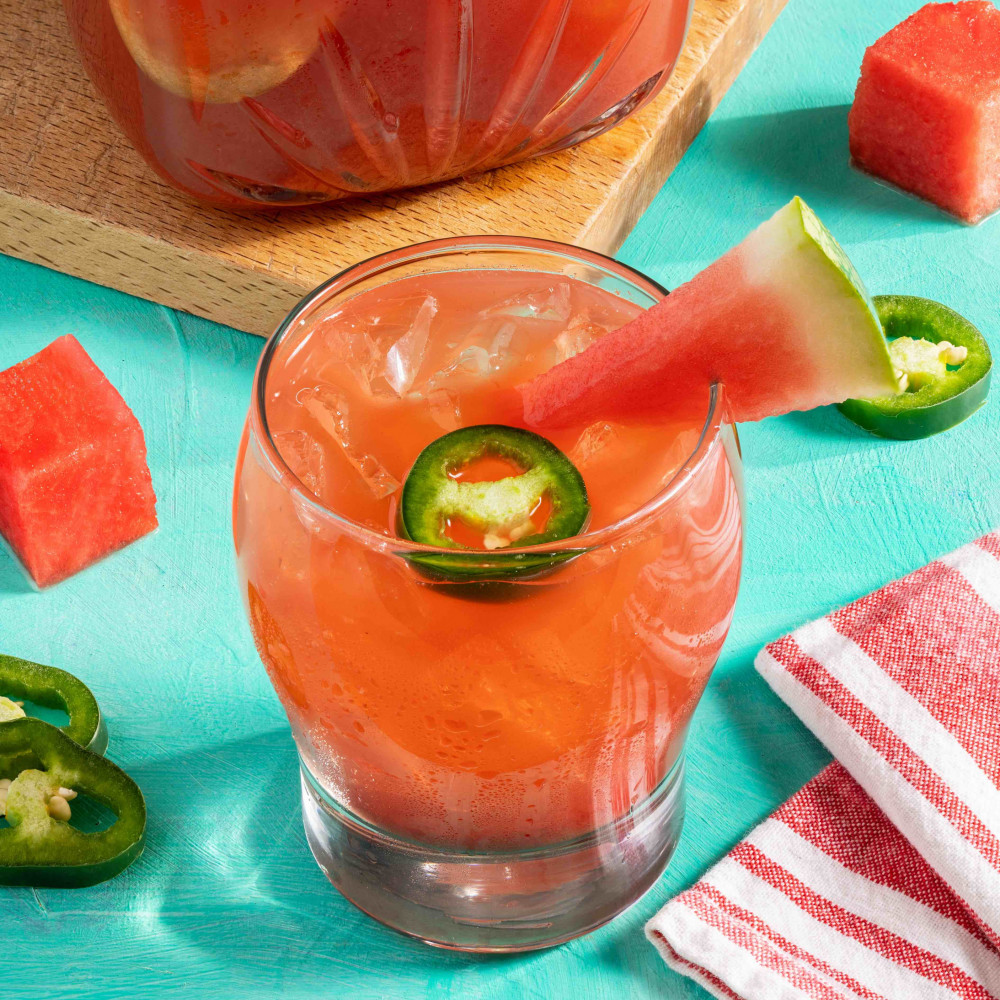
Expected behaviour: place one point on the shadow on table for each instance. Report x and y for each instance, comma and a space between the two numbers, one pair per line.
807, 151
238, 886
741, 730
12, 578
828, 422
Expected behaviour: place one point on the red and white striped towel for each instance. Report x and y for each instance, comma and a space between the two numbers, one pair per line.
881, 878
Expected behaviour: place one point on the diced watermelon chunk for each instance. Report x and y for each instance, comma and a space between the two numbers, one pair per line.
782, 321
74, 483
926, 114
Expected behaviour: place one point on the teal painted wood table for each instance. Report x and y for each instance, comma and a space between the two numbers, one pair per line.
226, 902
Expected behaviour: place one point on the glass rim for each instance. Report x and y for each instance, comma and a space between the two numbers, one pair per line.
708, 436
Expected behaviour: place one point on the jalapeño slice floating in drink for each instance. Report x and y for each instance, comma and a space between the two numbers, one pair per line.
486, 489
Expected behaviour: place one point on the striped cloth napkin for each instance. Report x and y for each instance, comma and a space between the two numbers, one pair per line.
880, 879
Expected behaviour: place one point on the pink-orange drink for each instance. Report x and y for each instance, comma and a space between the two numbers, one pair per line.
495, 713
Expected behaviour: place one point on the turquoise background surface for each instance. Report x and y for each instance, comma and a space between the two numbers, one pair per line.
226, 902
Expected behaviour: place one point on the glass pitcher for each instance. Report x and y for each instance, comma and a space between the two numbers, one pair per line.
291, 102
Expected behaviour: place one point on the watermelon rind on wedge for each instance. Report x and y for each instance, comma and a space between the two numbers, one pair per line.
783, 321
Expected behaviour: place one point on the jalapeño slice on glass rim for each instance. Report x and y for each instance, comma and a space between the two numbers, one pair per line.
942, 361
485, 489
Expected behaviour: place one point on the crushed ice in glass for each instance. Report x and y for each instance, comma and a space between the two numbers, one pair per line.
359, 352
591, 442
329, 409
304, 456
500, 345
550, 303
579, 334
474, 361
404, 358
445, 409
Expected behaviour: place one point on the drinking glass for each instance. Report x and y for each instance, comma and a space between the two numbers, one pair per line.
493, 765
291, 102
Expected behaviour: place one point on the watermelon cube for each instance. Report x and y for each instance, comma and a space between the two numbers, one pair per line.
926, 113
74, 483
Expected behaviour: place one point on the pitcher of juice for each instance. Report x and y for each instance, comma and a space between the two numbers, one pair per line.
290, 102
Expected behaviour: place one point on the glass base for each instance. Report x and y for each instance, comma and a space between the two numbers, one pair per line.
493, 901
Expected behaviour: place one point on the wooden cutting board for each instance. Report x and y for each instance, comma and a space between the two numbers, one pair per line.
75, 196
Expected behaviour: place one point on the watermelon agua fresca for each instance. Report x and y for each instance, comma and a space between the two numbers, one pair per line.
782, 320
74, 483
926, 114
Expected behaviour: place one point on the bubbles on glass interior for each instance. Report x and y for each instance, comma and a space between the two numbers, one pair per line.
330, 411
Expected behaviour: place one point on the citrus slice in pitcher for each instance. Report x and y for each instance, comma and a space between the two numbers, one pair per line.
220, 51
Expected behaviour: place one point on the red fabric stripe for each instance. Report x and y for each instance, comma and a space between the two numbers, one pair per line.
697, 971
834, 813
743, 928
871, 935
939, 640
885, 742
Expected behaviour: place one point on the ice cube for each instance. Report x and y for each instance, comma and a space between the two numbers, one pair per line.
500, 345
329, 409
380, 480
471, 362
591, 442
549, 303
579, 334
360, 354
445, 409
304, 456
340, 341
572, 341
404, 358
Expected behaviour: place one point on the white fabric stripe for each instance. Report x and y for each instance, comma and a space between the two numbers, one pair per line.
697, 942
948, 853
925, 736
895, 911
980, 569
840, 951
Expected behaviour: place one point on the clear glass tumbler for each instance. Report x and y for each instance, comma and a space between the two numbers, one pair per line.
290, 102
492, 765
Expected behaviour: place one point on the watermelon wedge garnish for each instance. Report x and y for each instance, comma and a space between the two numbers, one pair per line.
782, 320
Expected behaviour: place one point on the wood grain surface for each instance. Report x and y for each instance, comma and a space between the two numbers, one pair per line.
75, 196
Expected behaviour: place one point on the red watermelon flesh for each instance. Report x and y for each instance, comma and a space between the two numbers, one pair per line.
926, 113
782, 320
74, 484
